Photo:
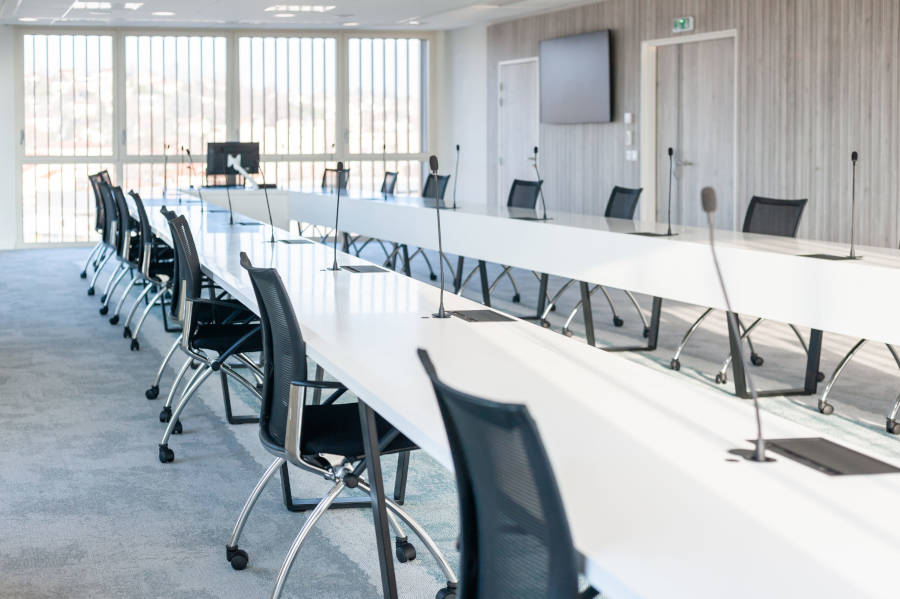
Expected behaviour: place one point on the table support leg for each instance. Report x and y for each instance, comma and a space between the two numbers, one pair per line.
652, 331
457, 280
379, 511
588, 313
485, 286
810, 379
406, 270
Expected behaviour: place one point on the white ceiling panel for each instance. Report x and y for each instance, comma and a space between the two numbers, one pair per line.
280, 14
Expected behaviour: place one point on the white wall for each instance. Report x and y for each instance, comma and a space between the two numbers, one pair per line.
9, 218
462, 110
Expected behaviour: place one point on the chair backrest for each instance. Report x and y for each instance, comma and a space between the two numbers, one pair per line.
524, 194
515, 540
623, 202
127, 224
428, 189
284, 351
773, 217
99, 212
145, 234
330, 178
189, 273
110, 212
175, 305
390, 180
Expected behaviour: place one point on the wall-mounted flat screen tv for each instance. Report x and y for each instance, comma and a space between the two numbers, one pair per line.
576, 82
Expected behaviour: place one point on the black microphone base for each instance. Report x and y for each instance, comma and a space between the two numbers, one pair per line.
534, 218
441, 315
830, 257
651, 234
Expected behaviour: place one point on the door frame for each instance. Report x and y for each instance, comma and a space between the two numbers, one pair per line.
648, 114
537, 124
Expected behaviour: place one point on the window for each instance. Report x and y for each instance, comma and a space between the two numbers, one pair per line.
130, 102
67, 131
175, 98
385, 117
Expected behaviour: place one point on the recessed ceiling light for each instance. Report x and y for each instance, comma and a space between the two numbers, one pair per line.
27, 19
284, 15
163, 13
300, 8
77, 5
132, 5
414, 23
351, 24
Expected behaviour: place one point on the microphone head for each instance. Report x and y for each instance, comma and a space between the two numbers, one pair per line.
535, 150
433, 163
854, 155
457, 147
671, 152
340, 167
708, 199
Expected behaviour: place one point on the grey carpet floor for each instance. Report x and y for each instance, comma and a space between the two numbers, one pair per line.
87, 510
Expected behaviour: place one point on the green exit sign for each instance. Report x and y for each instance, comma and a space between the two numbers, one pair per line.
682, 24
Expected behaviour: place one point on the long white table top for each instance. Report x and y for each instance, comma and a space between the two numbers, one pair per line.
767, 276
641, 457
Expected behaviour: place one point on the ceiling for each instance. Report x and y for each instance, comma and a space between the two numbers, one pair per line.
276, 14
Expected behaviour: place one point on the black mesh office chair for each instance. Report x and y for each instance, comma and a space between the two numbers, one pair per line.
390, 181
208, 325
622, 203
129, 245
765, 216
514, 538
330, 179
111, 236
96, 254
152, 266
301, 431
522, 195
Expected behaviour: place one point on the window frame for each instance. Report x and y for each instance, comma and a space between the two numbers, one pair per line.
119, 156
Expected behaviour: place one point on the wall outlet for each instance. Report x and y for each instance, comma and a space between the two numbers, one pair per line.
631, 155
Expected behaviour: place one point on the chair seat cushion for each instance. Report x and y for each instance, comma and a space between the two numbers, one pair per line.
335, 429
220, 337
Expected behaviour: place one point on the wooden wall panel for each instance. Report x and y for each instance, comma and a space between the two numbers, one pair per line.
816, 80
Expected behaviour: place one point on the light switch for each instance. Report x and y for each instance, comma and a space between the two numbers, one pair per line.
629, 138
629, 118
631, 155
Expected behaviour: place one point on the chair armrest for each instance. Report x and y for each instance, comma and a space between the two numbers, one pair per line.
339, 388
296, 404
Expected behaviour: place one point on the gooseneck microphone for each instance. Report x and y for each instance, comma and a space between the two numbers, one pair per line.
191, 169
669, 211
538, 172
337, 212
708, 200
268, 207
433, 164
455, 176
854, 156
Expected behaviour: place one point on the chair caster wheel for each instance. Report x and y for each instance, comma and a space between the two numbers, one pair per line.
104, 310
152, 392
826, 408
433, 277
177, 430
646, 333
406, 551
567, 332
103, 298
126, 332
893, 427
675, 364
756, 360
516, 298
721, 379
238, 558
114, 319
83, 275
166, 455
165, 414
195, 365
820, 376
617, 321
448, 592
135, 346
545, 324
90, 291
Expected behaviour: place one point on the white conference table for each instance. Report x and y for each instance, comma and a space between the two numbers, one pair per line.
656, 504
767, 276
